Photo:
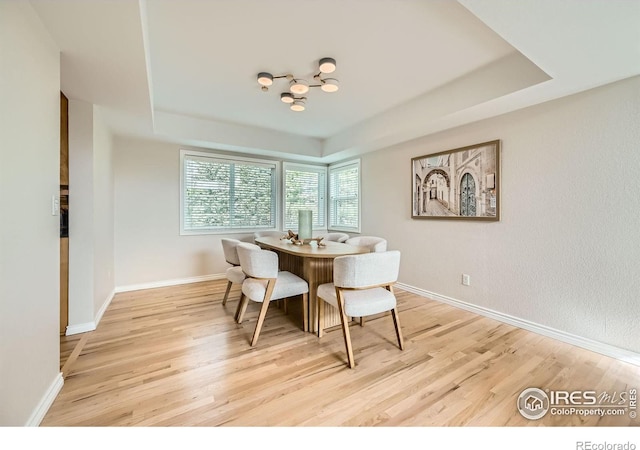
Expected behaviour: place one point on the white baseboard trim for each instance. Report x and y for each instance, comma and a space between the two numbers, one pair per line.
103, 308
80, 328
46, 402
589, 344
90, 326
174, 282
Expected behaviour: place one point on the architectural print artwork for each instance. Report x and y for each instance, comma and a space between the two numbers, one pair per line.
457, 184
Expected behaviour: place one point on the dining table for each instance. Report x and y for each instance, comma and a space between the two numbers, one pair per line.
314, 264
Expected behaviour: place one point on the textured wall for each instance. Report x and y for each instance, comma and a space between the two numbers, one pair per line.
148, 244
566, 252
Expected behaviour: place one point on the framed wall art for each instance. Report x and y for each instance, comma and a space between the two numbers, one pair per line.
458, 184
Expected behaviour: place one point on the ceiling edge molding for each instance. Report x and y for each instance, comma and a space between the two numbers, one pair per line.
422, 115
233, 137
144, 26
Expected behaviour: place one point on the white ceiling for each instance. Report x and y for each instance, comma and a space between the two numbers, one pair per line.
185, 71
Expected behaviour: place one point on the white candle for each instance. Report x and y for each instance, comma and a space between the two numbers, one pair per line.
305, 224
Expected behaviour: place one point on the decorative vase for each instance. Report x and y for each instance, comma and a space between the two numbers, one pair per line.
305, 224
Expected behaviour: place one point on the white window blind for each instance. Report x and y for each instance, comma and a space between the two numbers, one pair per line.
304, 188
344, 196
223, 194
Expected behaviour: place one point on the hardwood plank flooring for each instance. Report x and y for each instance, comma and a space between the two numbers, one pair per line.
175, 357
67, 345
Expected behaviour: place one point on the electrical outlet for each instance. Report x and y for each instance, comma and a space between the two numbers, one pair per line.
466, 279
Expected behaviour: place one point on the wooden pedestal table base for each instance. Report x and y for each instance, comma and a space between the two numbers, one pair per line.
315, 265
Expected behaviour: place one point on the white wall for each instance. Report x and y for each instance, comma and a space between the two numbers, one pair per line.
103, 211
29, 233
81, 216
148, 246
566, 252
91, 211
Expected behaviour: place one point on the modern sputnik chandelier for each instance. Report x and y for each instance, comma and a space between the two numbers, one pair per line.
298, 87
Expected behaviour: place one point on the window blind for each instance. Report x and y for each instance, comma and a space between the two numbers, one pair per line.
304, 188
223, 194
344, 196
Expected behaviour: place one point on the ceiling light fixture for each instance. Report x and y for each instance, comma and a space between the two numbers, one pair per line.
286, 97
327, 65
265, 79
298, 104
329, 85
300, 86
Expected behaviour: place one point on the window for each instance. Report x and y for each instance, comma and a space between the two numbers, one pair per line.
304, 188
221, 193
344, 196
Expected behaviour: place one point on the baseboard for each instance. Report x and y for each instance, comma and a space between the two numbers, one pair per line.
90, 326
174, 282
104, 306
588, 344
46, 402
80, 328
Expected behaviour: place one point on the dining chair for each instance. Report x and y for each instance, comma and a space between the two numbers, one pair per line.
234, 273
264, 233
362, 286
375, 244
336, 237
265, 283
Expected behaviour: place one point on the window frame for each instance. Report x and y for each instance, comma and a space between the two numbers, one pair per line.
323, 191
330, 169
276, 197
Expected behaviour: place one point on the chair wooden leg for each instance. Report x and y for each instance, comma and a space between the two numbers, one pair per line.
320, 309
305, 312
242, 308
226, 294
361, 321
263, 314
238, 306
345, 331
271, 284
396, 322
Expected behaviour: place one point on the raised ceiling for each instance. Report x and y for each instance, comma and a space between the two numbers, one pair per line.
185, 71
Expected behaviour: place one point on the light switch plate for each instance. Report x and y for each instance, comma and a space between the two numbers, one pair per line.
55, 205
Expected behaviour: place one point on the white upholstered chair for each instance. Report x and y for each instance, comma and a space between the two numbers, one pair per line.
362, 286
273, 233
375, 244
265, 283
234, 273
337, 237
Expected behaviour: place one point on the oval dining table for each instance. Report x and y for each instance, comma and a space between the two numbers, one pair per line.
314, 264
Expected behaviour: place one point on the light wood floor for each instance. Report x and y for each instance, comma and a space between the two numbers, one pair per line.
175, 357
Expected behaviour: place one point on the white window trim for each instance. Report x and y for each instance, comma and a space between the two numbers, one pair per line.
231, 158
292, 165
337, 166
